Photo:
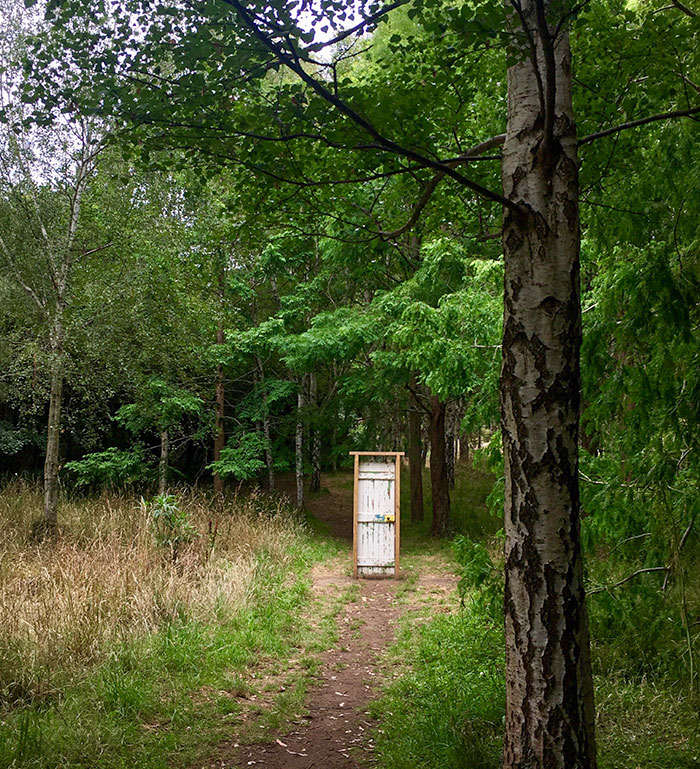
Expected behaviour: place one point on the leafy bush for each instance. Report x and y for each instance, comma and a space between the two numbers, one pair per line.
170, 524
112, 467
241, 458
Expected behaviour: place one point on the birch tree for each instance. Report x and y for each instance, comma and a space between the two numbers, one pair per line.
44, 175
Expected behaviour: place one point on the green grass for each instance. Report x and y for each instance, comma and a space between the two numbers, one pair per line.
444, 707
167, 698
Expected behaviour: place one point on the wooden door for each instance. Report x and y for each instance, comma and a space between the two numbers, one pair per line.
376, 516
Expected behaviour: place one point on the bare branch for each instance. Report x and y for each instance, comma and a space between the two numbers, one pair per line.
629, 577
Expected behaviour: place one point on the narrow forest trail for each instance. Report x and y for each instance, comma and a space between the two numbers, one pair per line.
335, 728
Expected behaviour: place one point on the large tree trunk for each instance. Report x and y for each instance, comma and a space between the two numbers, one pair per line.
415, 459
163, 462
439, 481
219, 433
315, 436
299, 446
51, 463
549, 695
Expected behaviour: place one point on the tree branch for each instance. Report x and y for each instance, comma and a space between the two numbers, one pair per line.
635, 123
430, 187
687, 11
550, 84
629, 577
369, 20
357, 119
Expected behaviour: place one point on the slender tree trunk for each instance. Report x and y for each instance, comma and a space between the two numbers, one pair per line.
269, 459
163, 462
51, 463
219, 434
334, 444
299, 445
438, 469
315, 435
549, 693
450, 424
415, 460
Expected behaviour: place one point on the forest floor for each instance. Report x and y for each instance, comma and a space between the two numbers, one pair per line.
334, 727
264, 652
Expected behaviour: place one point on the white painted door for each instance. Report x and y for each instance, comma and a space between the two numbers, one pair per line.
376, 511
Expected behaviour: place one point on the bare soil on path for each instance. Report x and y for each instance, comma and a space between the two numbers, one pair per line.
335, 731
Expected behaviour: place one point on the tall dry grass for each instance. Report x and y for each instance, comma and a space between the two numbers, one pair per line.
64, 604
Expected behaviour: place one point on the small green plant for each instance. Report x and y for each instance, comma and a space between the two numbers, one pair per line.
480, 579
170, 524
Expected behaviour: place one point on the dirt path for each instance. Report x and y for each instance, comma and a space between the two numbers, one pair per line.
336, 730
335, 733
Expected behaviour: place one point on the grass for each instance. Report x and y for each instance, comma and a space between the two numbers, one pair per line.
114, 655
444, 705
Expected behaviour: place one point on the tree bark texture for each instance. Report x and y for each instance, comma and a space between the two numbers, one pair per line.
439, 481
163, 462
220, 397
549, 694
51, 462
269, 459
415, 460
299, 446
315, 436
451, 423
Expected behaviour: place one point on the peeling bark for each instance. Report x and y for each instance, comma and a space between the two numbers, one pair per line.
549, 694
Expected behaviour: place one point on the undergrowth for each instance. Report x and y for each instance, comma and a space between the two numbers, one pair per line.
114, 653
445, 709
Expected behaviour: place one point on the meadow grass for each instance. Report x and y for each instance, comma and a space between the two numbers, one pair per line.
115, 654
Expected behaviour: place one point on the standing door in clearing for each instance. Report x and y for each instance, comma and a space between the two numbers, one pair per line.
376, 503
